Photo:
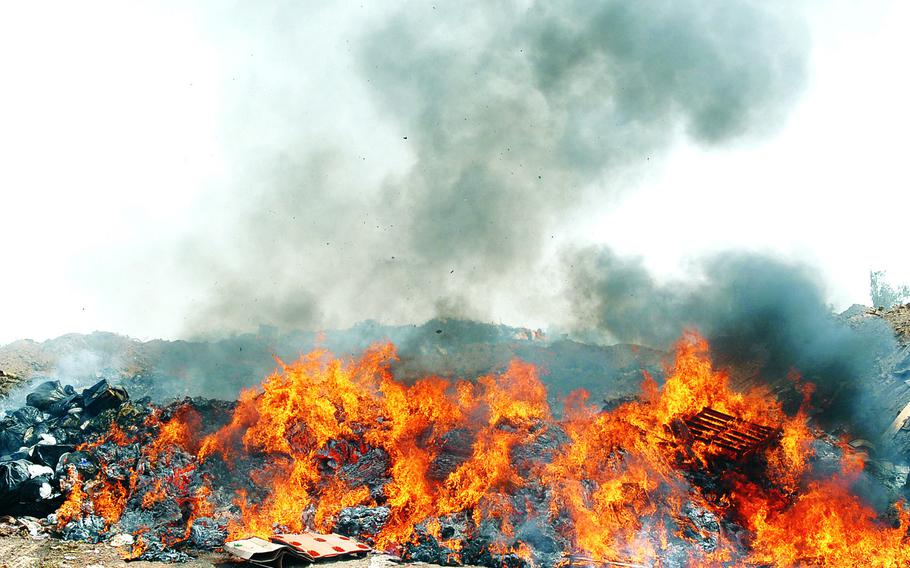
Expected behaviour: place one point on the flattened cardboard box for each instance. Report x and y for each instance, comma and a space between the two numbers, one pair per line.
259, 551
307, 546
319, 546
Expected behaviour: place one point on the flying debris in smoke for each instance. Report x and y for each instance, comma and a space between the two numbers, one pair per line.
513, 122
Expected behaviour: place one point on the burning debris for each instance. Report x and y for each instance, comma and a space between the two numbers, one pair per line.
691, 473
737, 438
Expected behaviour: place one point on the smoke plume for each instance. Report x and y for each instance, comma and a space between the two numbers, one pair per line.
507, 124
758, 312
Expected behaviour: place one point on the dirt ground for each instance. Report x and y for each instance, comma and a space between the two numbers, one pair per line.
17, 551
25, 552
21, 551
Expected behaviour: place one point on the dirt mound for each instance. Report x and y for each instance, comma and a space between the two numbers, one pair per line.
7, 382
898, 317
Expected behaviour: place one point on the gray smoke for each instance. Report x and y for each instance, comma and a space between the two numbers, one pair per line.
757, 312
513, 121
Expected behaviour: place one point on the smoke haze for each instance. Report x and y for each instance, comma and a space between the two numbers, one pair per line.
497, 127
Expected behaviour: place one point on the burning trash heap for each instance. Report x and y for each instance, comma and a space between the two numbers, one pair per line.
691, 473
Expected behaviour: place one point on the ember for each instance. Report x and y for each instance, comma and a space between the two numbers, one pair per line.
477, 472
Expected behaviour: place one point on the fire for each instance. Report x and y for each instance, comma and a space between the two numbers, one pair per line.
177, 431
108, 498
114, 434
828, 526
618, 486
317, 403
72, 508
103, 497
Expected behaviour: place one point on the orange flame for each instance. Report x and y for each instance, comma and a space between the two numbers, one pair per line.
621, 479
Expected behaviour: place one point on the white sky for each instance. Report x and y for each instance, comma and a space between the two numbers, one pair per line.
831, 189
109, 137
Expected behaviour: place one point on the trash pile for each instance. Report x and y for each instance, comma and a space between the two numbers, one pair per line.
478, 472
34, 438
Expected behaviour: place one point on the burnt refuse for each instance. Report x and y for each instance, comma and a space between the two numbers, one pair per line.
162, 480
36, 438
361, 521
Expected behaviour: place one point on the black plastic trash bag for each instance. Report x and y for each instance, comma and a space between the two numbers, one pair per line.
12, 475
38, 486
28, 415
101, 396
12, 434
49, 455
64, 405
35, 434
45, 395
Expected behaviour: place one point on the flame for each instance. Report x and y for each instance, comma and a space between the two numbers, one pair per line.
139, 545
108, 499
107, 496
178, 431
114, 434
619, 490
828, 526
310, 406
72, 507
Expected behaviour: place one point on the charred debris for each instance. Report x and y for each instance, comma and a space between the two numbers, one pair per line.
98, 466
162, 480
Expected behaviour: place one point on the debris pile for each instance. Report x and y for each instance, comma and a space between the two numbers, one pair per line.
34, 438
690, 473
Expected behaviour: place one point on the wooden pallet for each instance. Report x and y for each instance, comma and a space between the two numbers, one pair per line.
734, 437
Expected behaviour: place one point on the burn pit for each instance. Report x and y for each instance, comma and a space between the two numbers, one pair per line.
691, 473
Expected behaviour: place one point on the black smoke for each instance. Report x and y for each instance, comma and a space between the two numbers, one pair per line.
758, 312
